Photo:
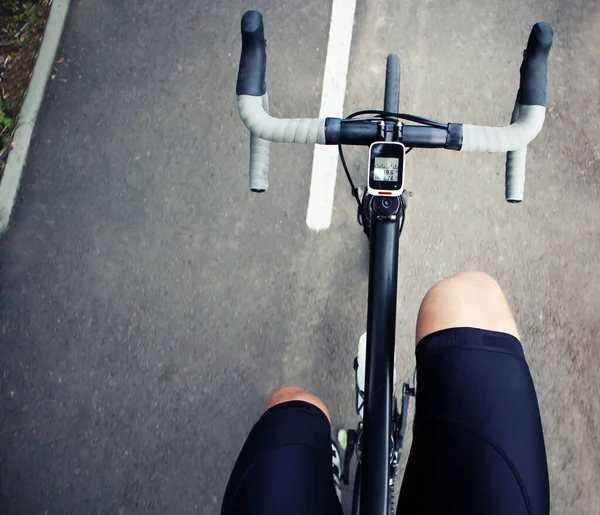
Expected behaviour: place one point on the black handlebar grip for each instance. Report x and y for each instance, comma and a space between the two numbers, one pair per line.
534, 70
253, 62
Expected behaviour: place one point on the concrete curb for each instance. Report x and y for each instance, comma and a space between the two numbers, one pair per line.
9, 184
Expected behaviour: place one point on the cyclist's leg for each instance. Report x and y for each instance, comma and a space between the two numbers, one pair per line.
478, 445
467, 299
285, 464
295, 393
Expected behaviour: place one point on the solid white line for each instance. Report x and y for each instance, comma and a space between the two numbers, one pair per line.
9, 184
322, 182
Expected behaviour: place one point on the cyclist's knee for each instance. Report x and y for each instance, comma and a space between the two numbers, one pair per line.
295, 393
474, 282
467, 299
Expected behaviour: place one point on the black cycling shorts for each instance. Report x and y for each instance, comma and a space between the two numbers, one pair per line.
478, 446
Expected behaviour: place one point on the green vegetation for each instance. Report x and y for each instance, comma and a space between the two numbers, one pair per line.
7, 124
22, 26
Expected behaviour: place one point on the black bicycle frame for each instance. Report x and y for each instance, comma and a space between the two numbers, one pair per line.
381, 329
380, 436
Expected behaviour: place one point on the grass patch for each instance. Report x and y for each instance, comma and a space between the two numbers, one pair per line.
21, 30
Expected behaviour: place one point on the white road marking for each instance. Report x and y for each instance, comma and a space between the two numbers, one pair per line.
322, 182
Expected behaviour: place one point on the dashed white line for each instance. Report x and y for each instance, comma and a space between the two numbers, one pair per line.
324, 168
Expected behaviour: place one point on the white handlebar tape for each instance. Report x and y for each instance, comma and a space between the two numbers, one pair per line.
260, 150
515, 166
515, 174
264, 126
516, 136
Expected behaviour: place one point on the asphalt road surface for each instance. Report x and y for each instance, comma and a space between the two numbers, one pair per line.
151, 304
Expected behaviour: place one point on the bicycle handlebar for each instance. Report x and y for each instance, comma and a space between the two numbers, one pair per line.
532, 91
526, 123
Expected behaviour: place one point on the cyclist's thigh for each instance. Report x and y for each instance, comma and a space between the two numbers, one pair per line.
285, 465
478, 446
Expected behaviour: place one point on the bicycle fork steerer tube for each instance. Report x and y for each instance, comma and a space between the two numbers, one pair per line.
381, 329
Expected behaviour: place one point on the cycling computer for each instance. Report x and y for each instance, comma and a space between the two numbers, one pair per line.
386, 168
